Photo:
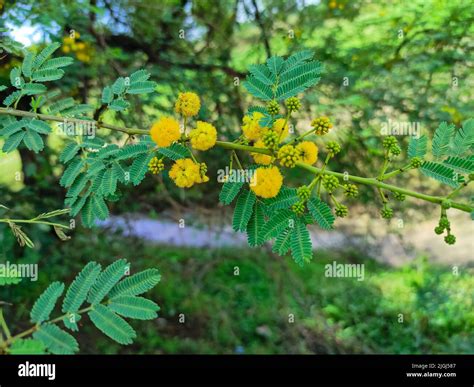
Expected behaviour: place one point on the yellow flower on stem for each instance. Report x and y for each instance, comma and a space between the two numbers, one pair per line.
203, 137
185, 173
187, 104
266, 182
165, 131
308, 151
251, 126
261, 158
281, 128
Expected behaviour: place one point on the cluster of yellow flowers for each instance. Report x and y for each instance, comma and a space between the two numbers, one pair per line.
186, 172
167, 131
82, 50
267, 180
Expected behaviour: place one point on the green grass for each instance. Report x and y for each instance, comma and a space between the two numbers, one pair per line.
249, 313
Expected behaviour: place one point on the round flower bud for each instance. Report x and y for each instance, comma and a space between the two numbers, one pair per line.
330, 183
341, 211
273, 108
289, 156
389, 142
399, 196
303, 193
298, 208
351, 190
156, 165
416, 162
333, 148
386, 212
293, 104
321, 125
450, 239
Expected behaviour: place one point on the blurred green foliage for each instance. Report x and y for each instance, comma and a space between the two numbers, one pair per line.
249, 312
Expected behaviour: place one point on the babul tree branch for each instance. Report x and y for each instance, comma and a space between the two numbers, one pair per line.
373, 182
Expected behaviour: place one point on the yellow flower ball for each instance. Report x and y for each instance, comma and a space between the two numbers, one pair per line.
187, 104
251, 127
165, 131
308, 151
289, 155
266, 182
281, 129
204, 137
185, 173
259, 157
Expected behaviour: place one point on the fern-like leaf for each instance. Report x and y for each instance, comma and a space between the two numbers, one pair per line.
463, 140
136, 284
301, 249
277, 223
417, 147
258, 89
46, 302
112, 325
282, 242
57, 341
71, 172
285, 199
27, 347
229, 191
243, 210
321, 213
134, 307
440, 172
175, 152
107, 280
255, 226
441, 139
79, 288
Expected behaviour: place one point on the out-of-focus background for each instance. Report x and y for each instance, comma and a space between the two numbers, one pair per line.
404, 61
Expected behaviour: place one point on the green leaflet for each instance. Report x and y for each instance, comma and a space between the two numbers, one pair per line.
33, 141
282, 242
263, 74
46, 302
119, 104
285, 199
109, 182
77, 203
440, 172
139, 76
255, 226
107, 95
118, 86
15, 78
45, 54
131, 151
441, 139
142, 87
12, 142
34, 88
417, 147
87, 212
107, 280
13, 127
321, 213
459, 164
38, 126
107, 151
71, 172
56, 340
301, 249
12, 98
112, 325
78, 185
463, 139
95, 166
175, 152
139, 168
281, 79
243, 210
79, 288
134, 307
100, 208
27, 347
277, 223
27, 64
47, 75
136, 284
61, 105
69, 152
229, 191
55, 63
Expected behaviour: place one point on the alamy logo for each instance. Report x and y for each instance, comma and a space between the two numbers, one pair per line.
401, 128
235, 175
345, 270
37, 370
13, 270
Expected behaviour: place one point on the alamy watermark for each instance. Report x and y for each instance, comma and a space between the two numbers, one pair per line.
20, 270
77, 128
236, 176
401, 128
345, 270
